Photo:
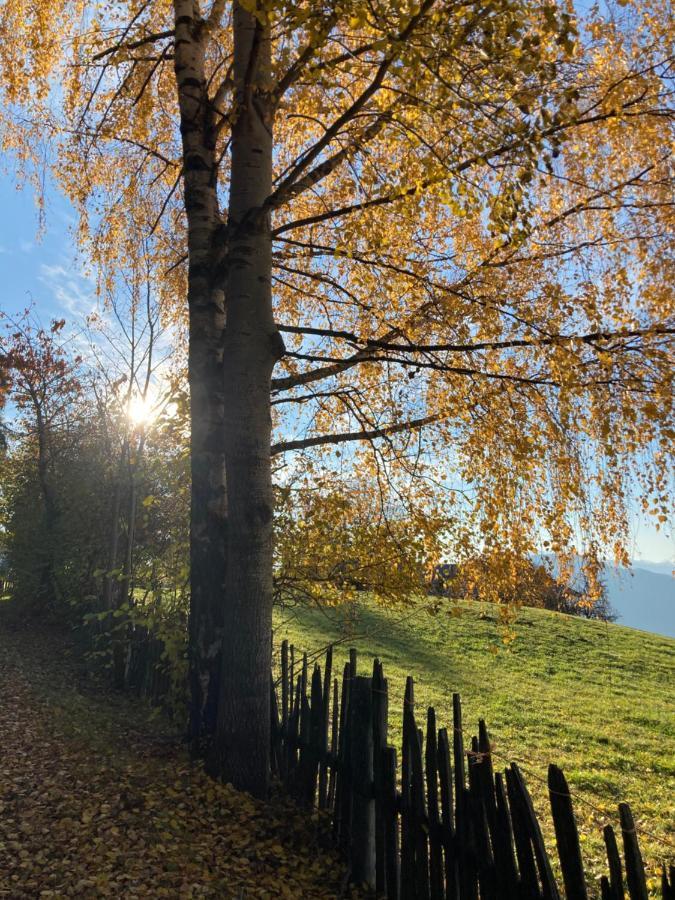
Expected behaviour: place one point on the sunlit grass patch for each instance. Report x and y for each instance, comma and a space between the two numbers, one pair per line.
598, 700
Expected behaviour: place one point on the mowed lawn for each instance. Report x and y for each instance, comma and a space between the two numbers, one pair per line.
597, 699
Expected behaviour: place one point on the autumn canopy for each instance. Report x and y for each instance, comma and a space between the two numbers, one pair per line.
421, 251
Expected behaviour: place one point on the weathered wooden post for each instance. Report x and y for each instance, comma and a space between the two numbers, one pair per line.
407, 827
362, 837
325, 705
342, 814
284, 708
614, 884
391, 832
436, 885
635, 870
380, 723
567, 836
548, 884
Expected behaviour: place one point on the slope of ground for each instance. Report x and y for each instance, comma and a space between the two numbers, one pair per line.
642, 596
598, 700
94, 804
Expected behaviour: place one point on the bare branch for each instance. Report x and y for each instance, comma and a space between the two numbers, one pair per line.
134, 45
590, 339
366, 435
284, 194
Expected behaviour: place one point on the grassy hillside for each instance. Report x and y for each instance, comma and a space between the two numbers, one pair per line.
599, 700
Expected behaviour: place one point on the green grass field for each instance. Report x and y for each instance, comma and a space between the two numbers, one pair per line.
597, 699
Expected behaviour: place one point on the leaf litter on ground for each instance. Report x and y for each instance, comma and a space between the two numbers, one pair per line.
98, 800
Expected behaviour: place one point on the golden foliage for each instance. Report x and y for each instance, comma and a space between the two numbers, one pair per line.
472, 213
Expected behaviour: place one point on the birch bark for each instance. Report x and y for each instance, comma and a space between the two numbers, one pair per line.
206, 321
252, 346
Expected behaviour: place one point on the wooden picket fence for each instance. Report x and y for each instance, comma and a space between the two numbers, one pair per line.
146, 671
447, 826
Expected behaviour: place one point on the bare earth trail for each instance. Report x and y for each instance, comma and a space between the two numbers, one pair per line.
94, 804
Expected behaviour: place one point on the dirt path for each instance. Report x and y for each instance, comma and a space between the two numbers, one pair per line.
93, 805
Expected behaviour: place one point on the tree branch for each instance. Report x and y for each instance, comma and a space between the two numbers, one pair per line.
296, 68
557, 339
285, 194
440, 178
215, 17
134, 45
359, 103
344, 437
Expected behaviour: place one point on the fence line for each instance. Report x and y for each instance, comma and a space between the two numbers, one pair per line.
314, 655
444, 825
433, 822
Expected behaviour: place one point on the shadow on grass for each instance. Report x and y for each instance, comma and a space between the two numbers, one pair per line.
391, 636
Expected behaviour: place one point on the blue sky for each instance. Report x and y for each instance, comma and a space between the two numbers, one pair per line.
40, 269
44, 270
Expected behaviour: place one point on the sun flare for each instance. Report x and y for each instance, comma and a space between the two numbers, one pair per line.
141, 410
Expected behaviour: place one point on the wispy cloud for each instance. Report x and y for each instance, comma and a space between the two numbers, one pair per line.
70, 288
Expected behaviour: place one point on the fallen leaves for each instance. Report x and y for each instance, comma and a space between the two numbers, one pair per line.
92, 804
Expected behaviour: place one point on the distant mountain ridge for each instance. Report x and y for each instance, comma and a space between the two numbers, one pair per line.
642, 597
661, 568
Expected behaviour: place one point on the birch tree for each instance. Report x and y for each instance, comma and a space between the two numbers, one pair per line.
436, 231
